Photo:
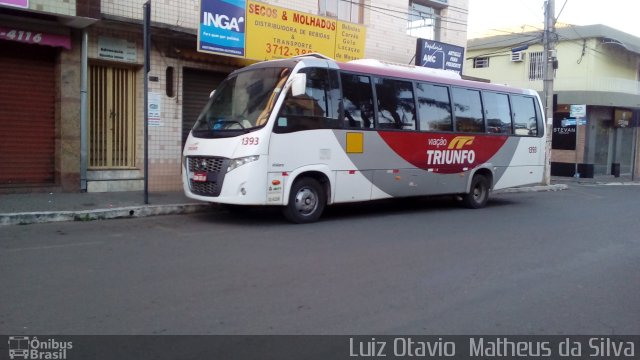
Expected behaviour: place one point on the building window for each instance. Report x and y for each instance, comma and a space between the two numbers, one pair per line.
169, 78
350, 11
424, 21
536, 65
480, 62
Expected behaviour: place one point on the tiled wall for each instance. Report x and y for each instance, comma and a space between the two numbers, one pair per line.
182, 13
63, 7
165, 141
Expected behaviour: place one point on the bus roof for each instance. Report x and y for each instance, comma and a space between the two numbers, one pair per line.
383, 68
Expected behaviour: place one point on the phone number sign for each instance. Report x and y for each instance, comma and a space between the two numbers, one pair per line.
273, 32
35, 37
277, 32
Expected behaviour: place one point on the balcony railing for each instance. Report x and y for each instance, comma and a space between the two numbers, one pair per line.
602, 83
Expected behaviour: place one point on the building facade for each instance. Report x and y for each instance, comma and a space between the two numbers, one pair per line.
61, 133
597, 66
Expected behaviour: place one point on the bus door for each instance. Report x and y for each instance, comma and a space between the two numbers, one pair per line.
303, 133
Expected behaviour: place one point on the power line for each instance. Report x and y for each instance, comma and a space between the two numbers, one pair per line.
576, 42
405, 13
560, 13
537, 37
506, 49
403, 18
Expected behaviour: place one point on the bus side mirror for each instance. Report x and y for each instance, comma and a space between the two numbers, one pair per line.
299, 84
211, 94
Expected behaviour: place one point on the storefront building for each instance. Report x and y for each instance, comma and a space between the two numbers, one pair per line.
596, 93
38, 60
60, 133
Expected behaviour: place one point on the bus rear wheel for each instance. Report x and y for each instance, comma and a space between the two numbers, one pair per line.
478, 193
307, 200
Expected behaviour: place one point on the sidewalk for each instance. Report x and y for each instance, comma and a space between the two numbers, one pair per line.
598, 180
31, 208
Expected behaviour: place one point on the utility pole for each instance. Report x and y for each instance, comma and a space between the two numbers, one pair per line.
548, 58
146, 31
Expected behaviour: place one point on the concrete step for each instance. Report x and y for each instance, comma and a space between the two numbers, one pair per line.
114, 180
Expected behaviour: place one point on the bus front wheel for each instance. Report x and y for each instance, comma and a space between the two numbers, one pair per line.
307, 200
478, 193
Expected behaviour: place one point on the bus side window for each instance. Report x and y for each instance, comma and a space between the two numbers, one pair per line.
357, 101
396, 107
434, 107
468, 110
317, 108
497, 112
525, 119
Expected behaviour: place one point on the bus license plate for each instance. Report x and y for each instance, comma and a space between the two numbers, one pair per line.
200, 176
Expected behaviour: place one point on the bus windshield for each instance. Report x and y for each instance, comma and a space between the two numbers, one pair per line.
241, 103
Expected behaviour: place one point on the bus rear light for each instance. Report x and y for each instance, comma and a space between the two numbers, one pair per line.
275, 182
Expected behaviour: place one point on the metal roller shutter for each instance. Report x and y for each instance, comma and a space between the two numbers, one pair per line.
197, 86
27, 114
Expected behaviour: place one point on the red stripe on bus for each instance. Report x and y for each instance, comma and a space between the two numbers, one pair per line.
448, 153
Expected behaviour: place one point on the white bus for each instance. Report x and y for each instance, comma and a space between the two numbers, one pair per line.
308, 132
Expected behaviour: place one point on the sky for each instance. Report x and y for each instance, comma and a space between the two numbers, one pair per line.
486, 15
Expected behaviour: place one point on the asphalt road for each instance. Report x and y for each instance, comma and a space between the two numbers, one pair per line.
563, 262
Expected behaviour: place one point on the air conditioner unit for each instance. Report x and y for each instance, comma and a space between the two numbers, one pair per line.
517, 56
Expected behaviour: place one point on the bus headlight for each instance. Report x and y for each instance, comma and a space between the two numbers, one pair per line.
241, 161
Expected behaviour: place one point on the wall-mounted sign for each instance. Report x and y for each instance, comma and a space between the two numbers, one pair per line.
35, 37
622, 118
221, 28
350, 41
154, 109
564, 133
438, 55
17, 3
254, 30
578, 111
117, 49
277, 32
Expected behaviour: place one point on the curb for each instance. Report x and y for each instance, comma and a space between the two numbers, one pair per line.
537, 188
101, 214
624, 183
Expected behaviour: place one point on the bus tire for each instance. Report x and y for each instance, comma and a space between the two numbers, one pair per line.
478, 193
307, 200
